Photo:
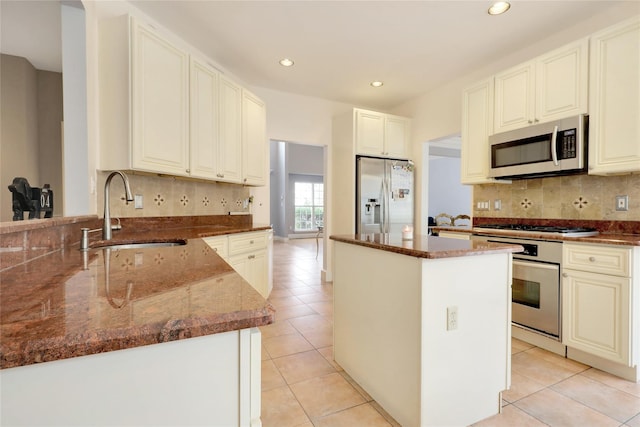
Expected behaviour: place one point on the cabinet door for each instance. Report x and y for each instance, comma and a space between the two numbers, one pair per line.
160, 92
252, 266
514, 98
204, 120
596, 314
614, 99
477, 120
370, 133
230, 137
561, 82
254, 140
396, 137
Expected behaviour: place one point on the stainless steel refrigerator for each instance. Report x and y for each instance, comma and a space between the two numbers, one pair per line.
384, 195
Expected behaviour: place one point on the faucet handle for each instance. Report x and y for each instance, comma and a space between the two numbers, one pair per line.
117, 226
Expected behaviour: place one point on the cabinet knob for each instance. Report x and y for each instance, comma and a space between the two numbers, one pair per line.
536, 121
251, 242
220, 175
530, 121
188, 170
215, 249
565, 275
592, 259
251, 256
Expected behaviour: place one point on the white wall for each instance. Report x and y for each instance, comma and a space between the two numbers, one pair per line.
446, 193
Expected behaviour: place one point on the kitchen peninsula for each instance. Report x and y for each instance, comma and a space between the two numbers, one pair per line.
423, 325
142, 336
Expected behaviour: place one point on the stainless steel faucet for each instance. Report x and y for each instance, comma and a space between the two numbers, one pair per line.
106, 226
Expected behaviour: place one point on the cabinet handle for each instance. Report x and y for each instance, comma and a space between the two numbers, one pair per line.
592, 259
530, 121
244, 180
220, 175
536, 120
251, 256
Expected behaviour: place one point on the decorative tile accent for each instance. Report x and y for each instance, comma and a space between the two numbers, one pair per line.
158, 259
159, 199
184, 254
238, 203
184, 200
126, 264
580, 203
223, 202
526, 203
205, 201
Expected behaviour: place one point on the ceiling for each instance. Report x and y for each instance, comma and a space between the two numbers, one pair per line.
339, 47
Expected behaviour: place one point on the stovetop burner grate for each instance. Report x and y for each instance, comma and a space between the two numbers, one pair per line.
567, 231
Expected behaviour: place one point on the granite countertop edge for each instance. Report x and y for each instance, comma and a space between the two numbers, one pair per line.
429, 247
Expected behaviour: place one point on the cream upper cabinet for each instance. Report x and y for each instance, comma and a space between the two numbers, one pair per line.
550, 87
382, 135
254, 142
477, 123
144, 95
597, 304
614, 103
204, 120
230, 142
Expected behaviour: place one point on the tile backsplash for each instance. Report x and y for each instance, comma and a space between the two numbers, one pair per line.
172, 196
568, 197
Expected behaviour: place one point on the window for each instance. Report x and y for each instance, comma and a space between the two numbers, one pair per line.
308, 205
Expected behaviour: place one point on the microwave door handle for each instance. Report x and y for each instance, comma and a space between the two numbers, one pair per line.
554, 151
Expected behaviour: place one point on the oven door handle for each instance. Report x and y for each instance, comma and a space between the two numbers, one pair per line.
540, 265
554, 140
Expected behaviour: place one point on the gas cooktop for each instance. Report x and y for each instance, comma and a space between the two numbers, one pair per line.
565, 231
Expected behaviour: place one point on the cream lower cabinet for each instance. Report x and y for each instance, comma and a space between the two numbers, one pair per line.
598, 301
614, 99
250, 256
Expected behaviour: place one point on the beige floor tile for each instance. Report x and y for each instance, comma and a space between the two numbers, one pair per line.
327, 353
285, 345
315, 297
281, 409
302, 366
294, 311
279, 293
355, 385
521, 386
319, 339
279, 327
539, 369
555, 409
633, 422
311, 323
271, 377
325, 308
510, 417
517, 346
302, 291
264, 354
325, 395
362, 415
375, 405
556, 359
607, 400
613, 381
283, 302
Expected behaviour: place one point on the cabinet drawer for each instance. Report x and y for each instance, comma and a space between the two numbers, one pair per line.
597, 259
219, 244
245, 242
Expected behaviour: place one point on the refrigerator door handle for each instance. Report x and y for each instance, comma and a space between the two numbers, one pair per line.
383, 205
385, 198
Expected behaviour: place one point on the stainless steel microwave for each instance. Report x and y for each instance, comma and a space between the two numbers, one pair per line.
554, 148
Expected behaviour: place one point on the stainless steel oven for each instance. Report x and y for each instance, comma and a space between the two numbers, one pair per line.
536, 292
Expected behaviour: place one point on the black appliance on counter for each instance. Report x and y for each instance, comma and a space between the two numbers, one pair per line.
30, 199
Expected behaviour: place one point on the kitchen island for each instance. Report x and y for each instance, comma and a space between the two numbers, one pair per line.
162, 335
423, 325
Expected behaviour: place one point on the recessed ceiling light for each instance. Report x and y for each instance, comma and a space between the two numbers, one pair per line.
286, 62
376, 84
499, 7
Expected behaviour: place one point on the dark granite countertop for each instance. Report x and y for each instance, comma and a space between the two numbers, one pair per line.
61, 303
626, 233
426, 246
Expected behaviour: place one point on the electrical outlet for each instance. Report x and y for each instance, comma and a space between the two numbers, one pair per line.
622, 203
137, 201
482, 206
452, 318
497, 204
